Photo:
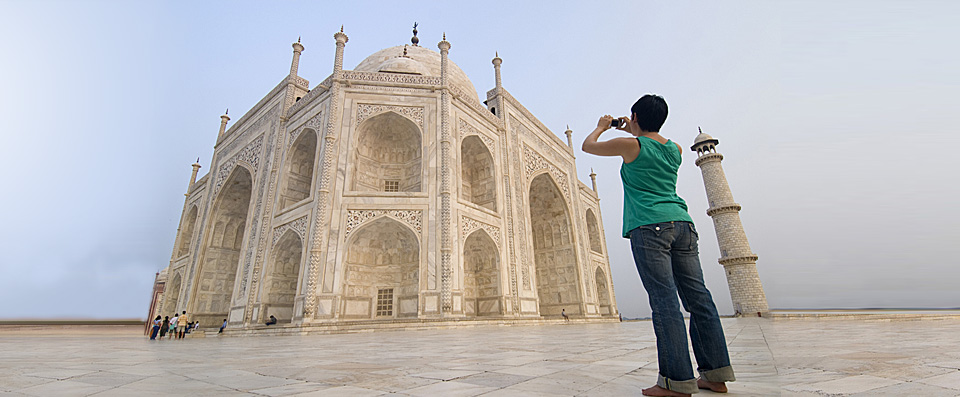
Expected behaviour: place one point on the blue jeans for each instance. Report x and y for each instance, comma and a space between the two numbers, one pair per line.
668, 261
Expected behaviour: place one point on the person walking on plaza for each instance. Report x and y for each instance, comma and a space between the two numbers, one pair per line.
156, 328
222, 326
563, 313
664, 243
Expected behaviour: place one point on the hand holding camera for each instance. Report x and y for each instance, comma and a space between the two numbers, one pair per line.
619, 123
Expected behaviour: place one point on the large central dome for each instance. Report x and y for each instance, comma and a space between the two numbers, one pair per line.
418, 60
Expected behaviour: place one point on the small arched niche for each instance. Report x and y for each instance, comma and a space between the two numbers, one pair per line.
478, 182
388, 157
481, 275
382, 271
186, 232
593, 232
280, 285
171, 296
603, 292
298, 170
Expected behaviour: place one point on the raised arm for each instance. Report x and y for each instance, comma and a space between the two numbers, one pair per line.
627, 148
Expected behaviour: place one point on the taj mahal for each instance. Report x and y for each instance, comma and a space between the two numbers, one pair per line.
389, 193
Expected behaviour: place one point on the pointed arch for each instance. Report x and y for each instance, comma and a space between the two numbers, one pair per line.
220, 258
603, 292
298, 171
555, 259
481, 275
388, 155
478, 182
280, 283
593, 232
382, 271
186, 231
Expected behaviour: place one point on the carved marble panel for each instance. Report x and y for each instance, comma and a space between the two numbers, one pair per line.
414, 113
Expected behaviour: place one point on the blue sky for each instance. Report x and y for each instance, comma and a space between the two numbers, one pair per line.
837, 122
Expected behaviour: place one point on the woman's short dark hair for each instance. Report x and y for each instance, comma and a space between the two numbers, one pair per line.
650, 111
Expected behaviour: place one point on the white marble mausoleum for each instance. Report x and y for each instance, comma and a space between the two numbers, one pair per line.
388, 193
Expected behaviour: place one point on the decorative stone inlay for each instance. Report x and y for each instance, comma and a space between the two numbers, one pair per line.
356, 218
390, 78
535, 162
477, 107
298, 225
414, 113
258, 226
466, 130
468, 225
249, 155
313, 124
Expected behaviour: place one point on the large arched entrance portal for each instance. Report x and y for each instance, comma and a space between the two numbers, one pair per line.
481, 281
221, 255
554, 255
280, 285
382, 271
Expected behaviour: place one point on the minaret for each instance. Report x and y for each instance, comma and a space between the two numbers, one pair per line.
193, 176
569, 133
295, 65
739, 263
223, 123
446, 188
341, 39
593, 179
496, 69
494, 103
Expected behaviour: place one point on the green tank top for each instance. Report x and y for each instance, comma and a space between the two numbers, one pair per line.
650, 186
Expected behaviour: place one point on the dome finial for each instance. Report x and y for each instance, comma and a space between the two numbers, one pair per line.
414, 39
298, 39
699, 130
341, 28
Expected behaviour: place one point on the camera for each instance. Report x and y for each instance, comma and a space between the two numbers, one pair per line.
618, 122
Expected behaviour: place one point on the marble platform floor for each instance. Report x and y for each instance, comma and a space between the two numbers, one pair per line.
792, 357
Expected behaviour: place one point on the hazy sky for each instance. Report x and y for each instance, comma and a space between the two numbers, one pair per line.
837, 121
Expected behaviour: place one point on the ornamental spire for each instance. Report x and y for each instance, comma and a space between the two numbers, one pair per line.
414, 39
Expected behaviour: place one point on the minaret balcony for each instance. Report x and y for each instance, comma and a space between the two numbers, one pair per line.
709, 157
723, 209
738, 260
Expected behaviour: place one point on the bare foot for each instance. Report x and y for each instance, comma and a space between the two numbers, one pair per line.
659, 391
716, 387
